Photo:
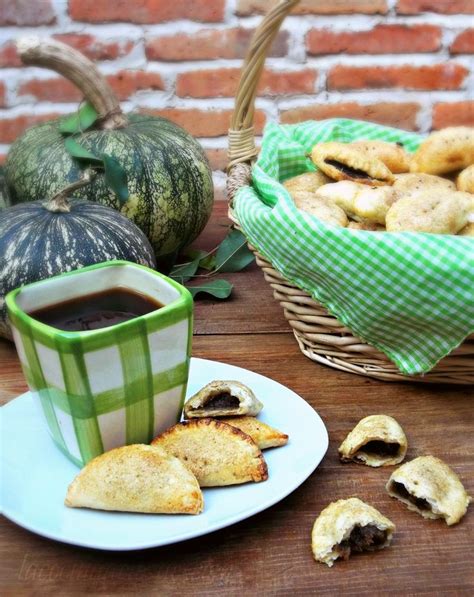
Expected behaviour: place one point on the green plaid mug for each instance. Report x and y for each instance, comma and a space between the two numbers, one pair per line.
112, 386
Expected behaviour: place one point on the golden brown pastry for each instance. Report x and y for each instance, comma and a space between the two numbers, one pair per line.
391, 154
412, 184
428, 486
136, 478
360, 202
468, 230
438, 212
307, 182
222, 398
217, 453
465, 180
366, 225
261, 433
445, 151
326, 211
340, 161
346, 526
376, 440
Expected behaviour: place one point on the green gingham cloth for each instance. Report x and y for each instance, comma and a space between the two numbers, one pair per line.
409, 295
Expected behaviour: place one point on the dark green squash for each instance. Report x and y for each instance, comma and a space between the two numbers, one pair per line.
42, 239
169, 179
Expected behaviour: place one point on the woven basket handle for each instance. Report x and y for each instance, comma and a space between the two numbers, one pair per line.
242, 150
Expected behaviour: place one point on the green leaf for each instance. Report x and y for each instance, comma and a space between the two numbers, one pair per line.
233, 254
208, 262
80, 121
77, 151
116, 177
184, 271
194, 253
220, 289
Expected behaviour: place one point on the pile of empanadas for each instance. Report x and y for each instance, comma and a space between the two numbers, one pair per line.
219, 444
378, 186
425, 484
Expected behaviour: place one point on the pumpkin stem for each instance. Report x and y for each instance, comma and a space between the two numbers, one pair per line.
59, 203
78, 69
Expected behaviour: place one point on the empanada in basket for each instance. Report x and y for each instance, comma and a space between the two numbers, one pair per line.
346, 526
217, 453
136, 478
222, 398
376, 440
465, 180
445, 151
306, 182
391, 154
413, 183
340, 161
261, 433
428, 486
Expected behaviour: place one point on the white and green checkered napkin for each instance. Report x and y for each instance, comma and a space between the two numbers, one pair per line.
409, 295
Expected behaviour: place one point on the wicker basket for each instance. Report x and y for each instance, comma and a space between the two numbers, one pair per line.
320, 336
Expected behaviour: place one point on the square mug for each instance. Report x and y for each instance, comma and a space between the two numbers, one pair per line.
113, 386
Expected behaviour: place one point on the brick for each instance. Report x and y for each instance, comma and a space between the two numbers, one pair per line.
209, 44
3, 93
223, 82
124, 83
401, 115
217, 158
8, 56
26, 12
146, 11
437, 76
94, 48
3, 158
382, 39
449, 7
320, 7
11, 128
464, 43
453, 114
204, 123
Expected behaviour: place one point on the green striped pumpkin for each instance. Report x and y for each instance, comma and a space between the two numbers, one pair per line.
169, 178
38, 241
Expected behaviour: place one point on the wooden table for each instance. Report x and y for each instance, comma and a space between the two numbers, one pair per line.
269, 554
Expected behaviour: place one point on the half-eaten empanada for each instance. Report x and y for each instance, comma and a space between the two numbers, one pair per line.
136, 478
444, 151
222, 399
377, 440
217, 453
428, 486
261, 433
346, 526
340, 161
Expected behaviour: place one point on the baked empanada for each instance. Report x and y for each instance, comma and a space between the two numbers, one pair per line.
411, 184
465, 180
468, 230
391, 154
366, 225
340, 161
438, 212
376, 440
217, 453
261, 433
444, 151
308, 182
349, 525
428, 486
326, 211
359, 201
136, 478
222, 398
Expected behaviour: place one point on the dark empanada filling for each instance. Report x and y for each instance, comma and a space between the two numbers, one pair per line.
222, 400
403, 492
345, 169
380, 448
361, 539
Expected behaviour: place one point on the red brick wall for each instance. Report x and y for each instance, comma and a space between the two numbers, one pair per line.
407, 63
